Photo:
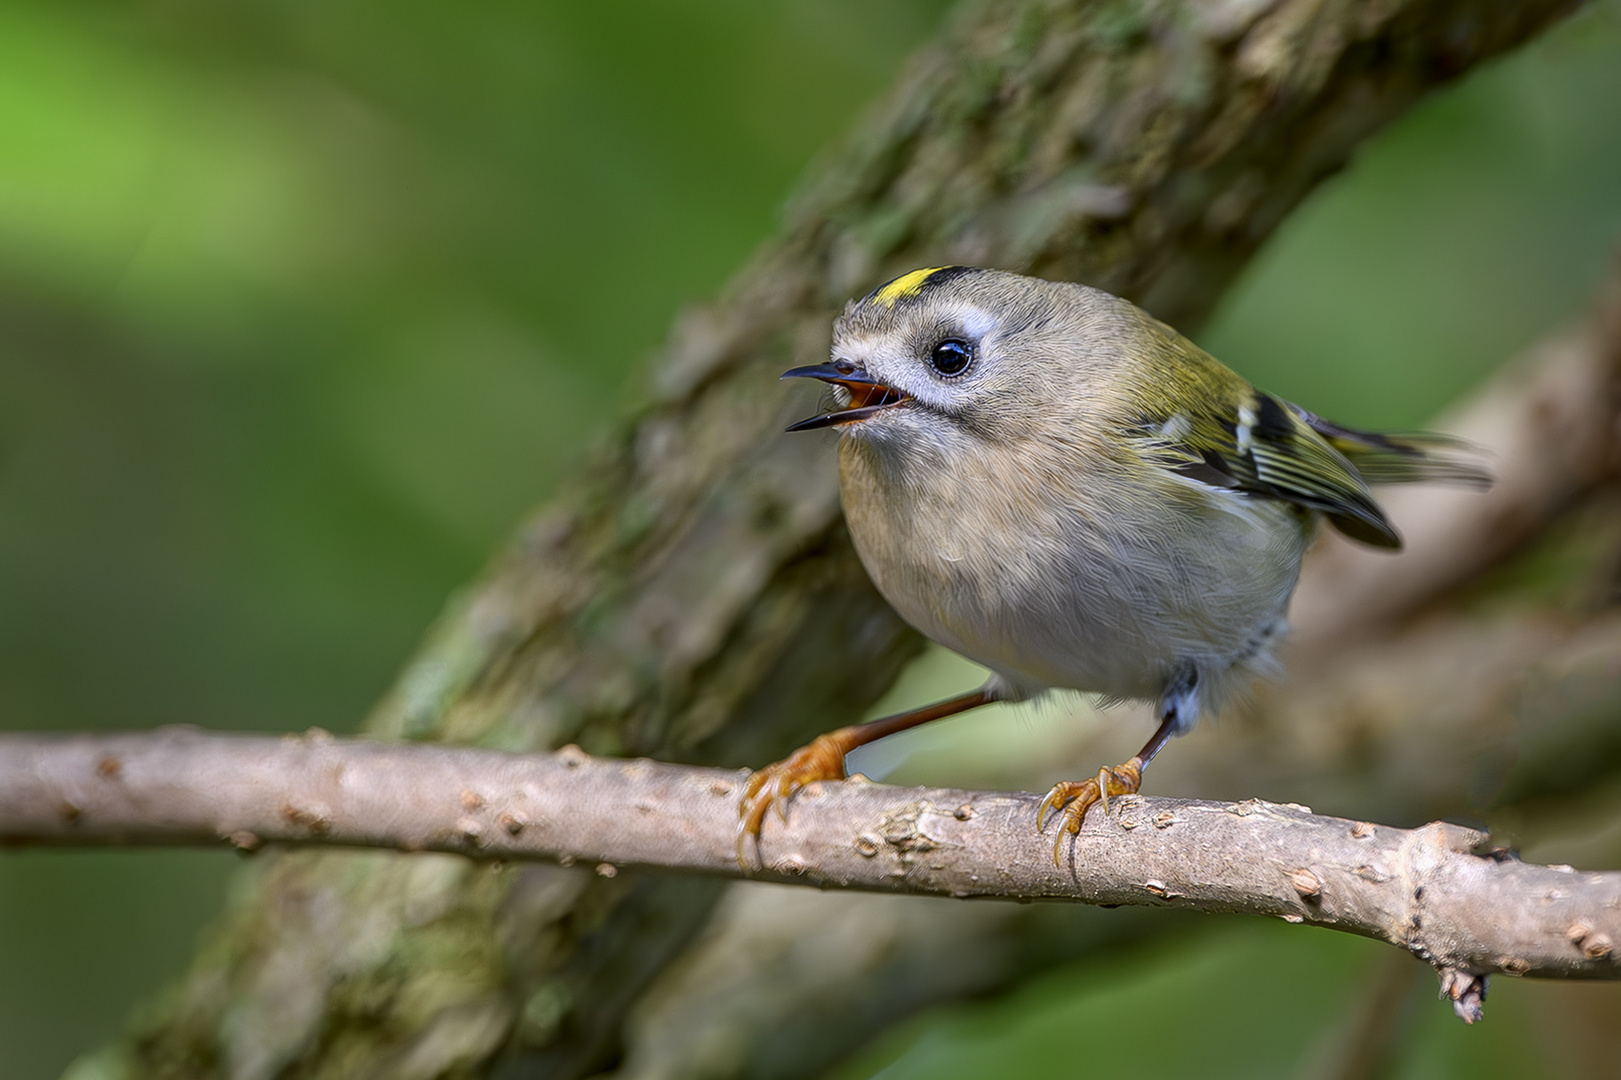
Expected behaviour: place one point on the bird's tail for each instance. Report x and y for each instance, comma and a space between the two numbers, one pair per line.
1404, 457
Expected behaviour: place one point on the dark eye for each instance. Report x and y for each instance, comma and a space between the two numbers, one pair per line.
951, 357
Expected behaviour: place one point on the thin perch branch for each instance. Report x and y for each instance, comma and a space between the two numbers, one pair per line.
1422, 889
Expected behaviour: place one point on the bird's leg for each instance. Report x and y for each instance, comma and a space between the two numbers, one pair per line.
1071, 799
823, 759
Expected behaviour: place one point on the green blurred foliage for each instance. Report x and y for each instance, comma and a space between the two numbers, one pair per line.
304, 304
1242, 1001
1246, 1000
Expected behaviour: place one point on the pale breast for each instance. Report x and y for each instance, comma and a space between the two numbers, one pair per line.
1050, 589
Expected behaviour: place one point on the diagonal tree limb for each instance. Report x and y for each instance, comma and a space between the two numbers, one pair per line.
1468, 915
694, 597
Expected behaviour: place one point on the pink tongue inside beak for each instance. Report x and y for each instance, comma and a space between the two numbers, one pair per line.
866, 395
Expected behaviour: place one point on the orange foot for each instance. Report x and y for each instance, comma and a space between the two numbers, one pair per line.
774, 785
1073, 798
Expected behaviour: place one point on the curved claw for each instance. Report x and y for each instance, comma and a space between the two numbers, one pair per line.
1072, 799
1058, 848
751, 811
1053, 801
775, 785
1102, 783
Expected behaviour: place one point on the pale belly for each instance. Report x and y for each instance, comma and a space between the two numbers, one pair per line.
1048, 597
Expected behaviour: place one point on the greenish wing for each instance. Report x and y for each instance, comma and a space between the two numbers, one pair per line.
1401, 457
1259, 446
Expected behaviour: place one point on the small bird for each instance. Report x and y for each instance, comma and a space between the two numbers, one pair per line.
1044, 478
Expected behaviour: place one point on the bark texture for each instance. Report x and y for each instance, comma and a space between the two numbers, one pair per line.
693, 596
1426, 890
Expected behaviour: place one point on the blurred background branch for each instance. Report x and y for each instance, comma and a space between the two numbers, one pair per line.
275, 277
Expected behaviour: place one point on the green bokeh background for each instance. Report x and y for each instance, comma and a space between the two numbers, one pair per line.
303, 304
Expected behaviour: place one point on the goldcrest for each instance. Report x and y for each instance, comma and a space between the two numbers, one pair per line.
1044, 478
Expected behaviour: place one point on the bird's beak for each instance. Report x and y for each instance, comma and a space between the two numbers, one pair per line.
867, 395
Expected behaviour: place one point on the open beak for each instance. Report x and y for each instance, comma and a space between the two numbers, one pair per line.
866, 395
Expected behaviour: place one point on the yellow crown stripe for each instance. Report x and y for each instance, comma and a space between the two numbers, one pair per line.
904, 286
